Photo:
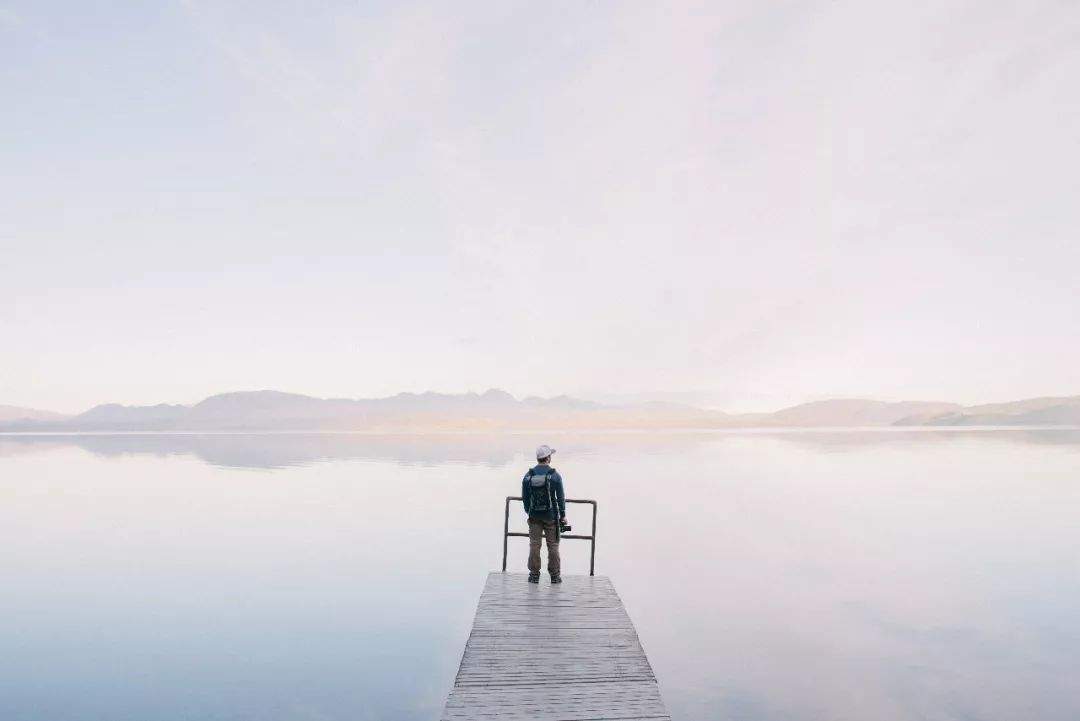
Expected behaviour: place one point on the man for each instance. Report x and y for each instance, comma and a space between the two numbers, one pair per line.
542, 494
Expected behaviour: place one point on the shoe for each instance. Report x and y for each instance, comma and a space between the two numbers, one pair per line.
556, 578
534, 578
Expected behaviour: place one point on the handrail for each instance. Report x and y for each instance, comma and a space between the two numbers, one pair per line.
573, 536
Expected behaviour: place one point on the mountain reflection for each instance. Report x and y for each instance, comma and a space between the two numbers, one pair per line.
283, 450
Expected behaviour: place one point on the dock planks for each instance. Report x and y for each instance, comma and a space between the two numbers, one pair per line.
586, 664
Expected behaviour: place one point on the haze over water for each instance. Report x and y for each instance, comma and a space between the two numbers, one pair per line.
806, 575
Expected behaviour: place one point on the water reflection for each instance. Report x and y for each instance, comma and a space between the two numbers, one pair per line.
282, 450
807, 576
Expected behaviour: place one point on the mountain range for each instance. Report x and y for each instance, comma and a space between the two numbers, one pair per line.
494, 409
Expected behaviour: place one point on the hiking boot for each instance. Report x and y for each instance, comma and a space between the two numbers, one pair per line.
534, 578
556, 578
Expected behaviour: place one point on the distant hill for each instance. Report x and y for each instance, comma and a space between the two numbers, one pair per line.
114, 414
855, 412
494, 409
15, 414
275, 410
1049, 411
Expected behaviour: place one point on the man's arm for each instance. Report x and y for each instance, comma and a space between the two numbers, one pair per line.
559, 495
524, 494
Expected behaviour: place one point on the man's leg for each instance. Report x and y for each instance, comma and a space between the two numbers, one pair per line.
536, 532
554, 562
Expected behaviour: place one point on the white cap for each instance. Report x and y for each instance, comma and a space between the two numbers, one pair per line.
544, 452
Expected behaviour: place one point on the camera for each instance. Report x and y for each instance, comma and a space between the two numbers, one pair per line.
564, 527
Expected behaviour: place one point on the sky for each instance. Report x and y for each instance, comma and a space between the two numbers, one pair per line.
741, 204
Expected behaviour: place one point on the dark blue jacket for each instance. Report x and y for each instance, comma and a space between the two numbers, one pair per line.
556, 488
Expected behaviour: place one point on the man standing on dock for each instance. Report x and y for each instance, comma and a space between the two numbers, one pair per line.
542, 494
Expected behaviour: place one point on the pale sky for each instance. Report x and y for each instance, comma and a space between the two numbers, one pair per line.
752, 203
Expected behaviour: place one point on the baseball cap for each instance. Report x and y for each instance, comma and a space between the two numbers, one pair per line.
544, 452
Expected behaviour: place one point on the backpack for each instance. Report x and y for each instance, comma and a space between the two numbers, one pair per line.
539, 490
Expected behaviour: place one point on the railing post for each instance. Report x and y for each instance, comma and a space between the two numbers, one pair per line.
592, 543
506, 530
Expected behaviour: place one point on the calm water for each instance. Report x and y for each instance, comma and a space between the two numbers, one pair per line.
824, 576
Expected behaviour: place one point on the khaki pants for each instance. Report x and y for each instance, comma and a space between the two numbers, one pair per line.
540, 528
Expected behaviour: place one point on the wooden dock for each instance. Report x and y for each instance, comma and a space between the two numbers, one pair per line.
566, 652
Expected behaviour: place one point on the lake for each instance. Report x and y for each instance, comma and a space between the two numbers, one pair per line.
826, 576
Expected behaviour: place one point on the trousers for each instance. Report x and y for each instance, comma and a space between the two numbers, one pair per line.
539, 529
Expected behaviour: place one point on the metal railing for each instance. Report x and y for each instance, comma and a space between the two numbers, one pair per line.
591, 538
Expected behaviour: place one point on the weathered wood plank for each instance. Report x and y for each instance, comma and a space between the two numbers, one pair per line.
567, 652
